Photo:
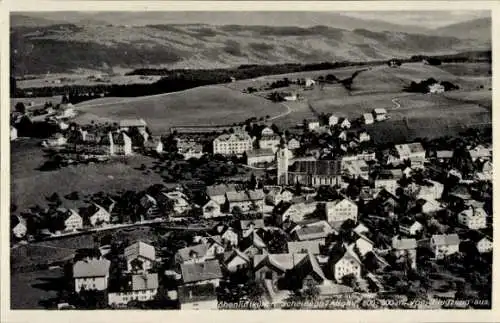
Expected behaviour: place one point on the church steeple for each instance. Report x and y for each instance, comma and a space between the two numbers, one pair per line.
282, 156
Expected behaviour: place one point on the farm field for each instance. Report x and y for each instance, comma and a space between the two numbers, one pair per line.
30, 187
32, 288
211, 105
83, 80
37, 102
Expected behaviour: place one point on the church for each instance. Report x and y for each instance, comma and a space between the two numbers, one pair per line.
306, 172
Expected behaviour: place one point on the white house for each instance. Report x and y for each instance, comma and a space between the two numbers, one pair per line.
414, 152
389, 184
297, 212
247, 201
363, 136
410, 228
230, 236
345, 124
119, 143
232, 144
13, 133
211, 209
473, 218
260, 156
100, 216
91, 274
141, 251
309, 82
348, 264
444, 245
142, 288
277, 194
237, 260
267, 131
363, 244
484, 245
73, 221
356, 168
432, 191
293, 144
431, 206
436, 88
312, 124
368, 118
20, 229
270, 142
333, 120
341, 210
218, 192
379, 114
140, 124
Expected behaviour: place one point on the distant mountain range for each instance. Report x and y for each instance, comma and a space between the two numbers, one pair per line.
60, 42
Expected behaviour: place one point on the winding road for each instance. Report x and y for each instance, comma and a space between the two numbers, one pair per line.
396, 103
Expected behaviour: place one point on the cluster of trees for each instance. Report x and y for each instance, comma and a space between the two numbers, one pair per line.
423, 86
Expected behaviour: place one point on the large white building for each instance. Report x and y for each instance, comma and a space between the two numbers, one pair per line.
269, 142
91, 274
414, 152
341, 210
232, 144
473, 218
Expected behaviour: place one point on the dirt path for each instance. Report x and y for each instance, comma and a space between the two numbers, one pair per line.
396, 103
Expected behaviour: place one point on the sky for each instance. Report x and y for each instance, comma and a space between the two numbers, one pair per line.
422, 19
432, 19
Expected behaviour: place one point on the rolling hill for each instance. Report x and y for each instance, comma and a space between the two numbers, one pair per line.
479, 29
66, 47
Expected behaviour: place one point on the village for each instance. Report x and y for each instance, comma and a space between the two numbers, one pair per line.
315, 217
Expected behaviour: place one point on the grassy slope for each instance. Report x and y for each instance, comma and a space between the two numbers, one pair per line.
30, 187
206, 105
101, 47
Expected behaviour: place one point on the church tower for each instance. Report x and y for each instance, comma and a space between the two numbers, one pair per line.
282, 156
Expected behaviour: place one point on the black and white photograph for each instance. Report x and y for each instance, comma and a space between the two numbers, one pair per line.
251, 160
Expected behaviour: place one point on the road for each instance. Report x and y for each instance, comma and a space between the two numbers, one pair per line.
281, 115
396, 103
116, 227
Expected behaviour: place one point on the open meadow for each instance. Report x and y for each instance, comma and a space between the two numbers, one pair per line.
210, 105
30, 186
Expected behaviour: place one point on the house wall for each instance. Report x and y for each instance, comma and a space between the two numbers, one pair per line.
444, 250
247, 206
100, 215
342, 211
260, 159
269, 144
236, 263
484, 246
125, 297
472, 222
95, 283
234, 147
19, 231
267, 272
73, 223
345, 267
147, 264
211, 210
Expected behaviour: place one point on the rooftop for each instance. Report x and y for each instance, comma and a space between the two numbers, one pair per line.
144, 282
305, 246
140, 249
239, 136
132, 123
91, 268
250, 195
195, 272
317, 167
446, 239
220, 189
260, 152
